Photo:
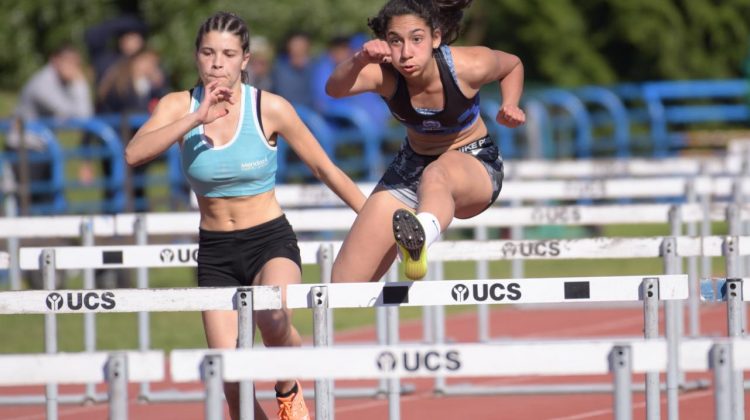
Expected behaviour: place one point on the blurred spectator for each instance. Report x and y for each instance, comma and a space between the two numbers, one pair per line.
128, 80
132, 85
57, 90
292, 72
339, 49
261, 62
127, 31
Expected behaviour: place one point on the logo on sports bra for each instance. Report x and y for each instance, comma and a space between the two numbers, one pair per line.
249, 166
431, 125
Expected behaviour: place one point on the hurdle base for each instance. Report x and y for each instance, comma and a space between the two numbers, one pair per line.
468, 389
342, 392
41, 399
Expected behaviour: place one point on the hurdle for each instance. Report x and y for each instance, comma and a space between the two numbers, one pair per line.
466, 250
507, 291
668, 248
147, 256
115, 368
51, 302
733, 291
621, 357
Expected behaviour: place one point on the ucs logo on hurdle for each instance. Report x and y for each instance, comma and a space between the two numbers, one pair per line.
480, 292
531, 249
414, 361
75, 301
167, 255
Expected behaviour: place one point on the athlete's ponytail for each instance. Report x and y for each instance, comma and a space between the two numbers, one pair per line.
438, 14
450, 13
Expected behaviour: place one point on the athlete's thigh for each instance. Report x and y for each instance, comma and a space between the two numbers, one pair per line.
221, 329
369, 248
469, 181
279, 271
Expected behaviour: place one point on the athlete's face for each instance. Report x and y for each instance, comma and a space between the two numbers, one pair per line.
411, 41
220, 57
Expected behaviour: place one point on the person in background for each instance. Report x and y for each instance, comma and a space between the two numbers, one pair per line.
340, 48
129, 35
57, 90
132, 86
228, 132
261, 63
292, 71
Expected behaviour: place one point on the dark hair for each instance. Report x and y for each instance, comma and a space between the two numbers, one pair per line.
445, 15
62, 48
226, 22
296, 33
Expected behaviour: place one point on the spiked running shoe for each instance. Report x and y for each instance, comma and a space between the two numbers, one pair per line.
410, 237
293, 407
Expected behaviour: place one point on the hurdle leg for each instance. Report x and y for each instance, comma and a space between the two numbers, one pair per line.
394, 384
672, 322
483, 273
144, 336
117, 371
47, 265
212, 378
621, 365
89, 318
439, 317
244, 298
650, 292
734, 323
324, 408
721, 363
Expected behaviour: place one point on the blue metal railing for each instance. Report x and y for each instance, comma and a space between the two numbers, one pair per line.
592, 120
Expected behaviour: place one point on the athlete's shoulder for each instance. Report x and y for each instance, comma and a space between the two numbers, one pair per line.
472, 62
275, 104
179, 99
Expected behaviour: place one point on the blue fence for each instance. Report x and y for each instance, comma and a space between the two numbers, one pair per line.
617, 121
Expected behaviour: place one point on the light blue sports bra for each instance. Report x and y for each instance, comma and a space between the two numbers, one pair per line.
246, 165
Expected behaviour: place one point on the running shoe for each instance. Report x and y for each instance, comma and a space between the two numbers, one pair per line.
293, 407
410, 237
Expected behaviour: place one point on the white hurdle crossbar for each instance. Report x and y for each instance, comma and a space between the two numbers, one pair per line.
622, 357
384, 362
151, 256
133, 300
316, 219
478, 292
115, 368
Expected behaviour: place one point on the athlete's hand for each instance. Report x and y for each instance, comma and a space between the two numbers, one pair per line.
214, 104
374, 51
510, 116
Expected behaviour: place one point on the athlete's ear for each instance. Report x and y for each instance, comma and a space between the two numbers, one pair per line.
437, 38
245, 60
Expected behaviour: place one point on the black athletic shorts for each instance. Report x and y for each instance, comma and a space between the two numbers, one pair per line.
402, 176
234, 258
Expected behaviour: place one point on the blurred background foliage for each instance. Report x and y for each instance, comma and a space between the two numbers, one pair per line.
562, 42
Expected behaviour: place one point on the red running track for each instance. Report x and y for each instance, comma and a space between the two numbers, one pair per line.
423, 404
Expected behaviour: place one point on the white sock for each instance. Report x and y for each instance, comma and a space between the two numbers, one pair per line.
431, 227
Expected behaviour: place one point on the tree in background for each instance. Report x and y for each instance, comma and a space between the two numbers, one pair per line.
562, 42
